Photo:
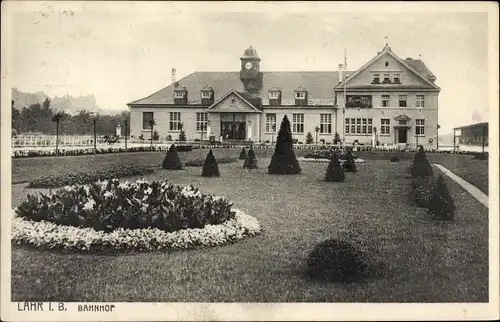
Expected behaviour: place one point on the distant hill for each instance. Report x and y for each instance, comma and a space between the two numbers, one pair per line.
69, 104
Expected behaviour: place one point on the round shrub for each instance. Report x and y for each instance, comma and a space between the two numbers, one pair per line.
251, 160
421, 168
172, 161
441, 205
210, 167
334, 172
243, 154
336, 261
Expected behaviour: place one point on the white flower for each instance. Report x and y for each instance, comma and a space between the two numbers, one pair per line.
89, 205
140, 181
144, 207
108, 194
148, 191
124, 185
69, 188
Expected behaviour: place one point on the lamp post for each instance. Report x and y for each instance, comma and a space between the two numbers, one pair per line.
126, 133
57, 118
317, 130
437, 137
152, 124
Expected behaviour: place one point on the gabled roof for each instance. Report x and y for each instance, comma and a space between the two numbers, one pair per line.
239, 95
319, 87
423, 72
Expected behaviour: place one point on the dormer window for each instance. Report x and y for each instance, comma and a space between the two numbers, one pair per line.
179, 94
300, 95
397, 79
274, 95
206, 94
376, 79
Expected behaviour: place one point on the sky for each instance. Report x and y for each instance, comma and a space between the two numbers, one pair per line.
124, 52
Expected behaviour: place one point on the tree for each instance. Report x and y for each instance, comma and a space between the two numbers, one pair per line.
309, 138
334, 172
251, 160
421, 166
243, 154
441, 205
283, 160
210, 166
182, 134
172, 161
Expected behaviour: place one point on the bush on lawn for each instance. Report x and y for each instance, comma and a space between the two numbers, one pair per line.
172, 161
423, 188
243, 154
421, 167
394, 158
337, 140
481, 156
210, 166
55, 181
112, 204
441, 205
251, 160
336, 261
334, 172
283, 160
349, 165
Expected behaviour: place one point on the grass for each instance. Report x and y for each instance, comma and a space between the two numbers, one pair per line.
424, 261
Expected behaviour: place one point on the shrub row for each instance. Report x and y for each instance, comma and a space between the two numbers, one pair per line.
86, 151
54, 181
109, 205
200, 162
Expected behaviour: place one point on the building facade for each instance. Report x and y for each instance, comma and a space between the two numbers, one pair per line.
473, 137
389, 101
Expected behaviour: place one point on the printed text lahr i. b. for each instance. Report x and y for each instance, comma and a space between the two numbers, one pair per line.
40, 306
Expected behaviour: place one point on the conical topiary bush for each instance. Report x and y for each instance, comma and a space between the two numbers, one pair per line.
441, 205
349, 165
336, 261
283, 160
210, 166
243, 154
251, 160
421, 167
334, 172
172, 161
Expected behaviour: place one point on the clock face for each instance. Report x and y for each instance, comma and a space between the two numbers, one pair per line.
248, 65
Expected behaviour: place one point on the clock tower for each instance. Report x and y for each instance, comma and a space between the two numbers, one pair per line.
250, 74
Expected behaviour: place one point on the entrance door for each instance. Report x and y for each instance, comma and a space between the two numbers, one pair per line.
402, 135
233, 126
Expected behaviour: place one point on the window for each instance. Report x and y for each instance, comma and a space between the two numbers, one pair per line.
397, 78
358, 126
325, 123
201, 122
147, 117
270, 122
385, 100
298, 123
385, 126
387, 78
300, 95
402, 100
205, 94
419, 127
376, 79
175, 121
420, 100
274, 95
179, 94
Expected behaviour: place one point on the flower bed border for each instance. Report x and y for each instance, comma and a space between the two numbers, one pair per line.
49, 235
319, 160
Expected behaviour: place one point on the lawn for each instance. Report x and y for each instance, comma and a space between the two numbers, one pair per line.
424, 261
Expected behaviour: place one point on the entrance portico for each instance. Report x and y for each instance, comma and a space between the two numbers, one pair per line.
233, 117
401, 129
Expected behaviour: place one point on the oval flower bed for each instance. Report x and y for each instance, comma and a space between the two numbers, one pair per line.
129, 216
55, 181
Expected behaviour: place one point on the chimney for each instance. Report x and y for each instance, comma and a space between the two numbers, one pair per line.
341, 73
173, 75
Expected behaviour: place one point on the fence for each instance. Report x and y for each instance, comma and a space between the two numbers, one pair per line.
50, 140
